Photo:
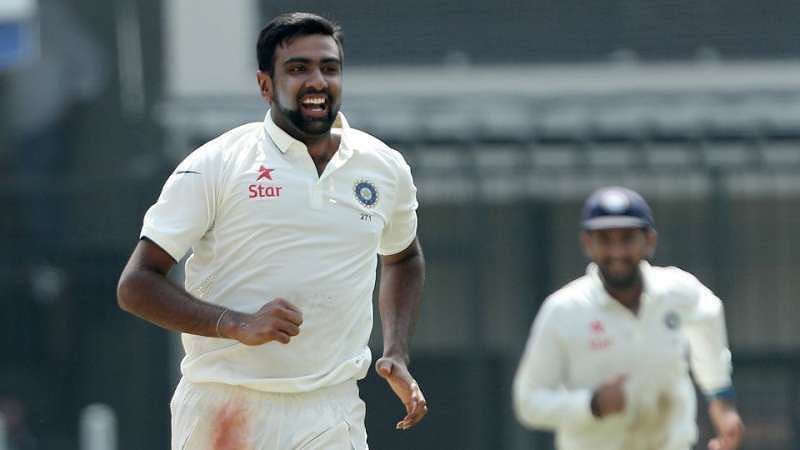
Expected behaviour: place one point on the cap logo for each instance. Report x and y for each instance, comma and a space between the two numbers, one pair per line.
615, 202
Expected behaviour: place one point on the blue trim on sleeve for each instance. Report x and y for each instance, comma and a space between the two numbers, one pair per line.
726, 393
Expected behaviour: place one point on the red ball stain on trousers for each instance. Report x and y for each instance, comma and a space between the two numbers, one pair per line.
230, 427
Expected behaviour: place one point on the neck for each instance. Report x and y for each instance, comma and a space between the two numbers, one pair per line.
322, 145
628, 297
322, 150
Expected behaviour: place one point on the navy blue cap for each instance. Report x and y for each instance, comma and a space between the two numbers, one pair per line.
616, 207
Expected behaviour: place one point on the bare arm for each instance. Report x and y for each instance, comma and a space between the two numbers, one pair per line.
402, 277
727, 423
144, 290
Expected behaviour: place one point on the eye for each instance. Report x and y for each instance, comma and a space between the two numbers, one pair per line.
296, 69
630, 239
331, 68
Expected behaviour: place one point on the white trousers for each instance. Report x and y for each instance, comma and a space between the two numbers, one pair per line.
210, 416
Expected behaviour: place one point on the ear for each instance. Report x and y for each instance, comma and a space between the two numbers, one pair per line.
586, 243
265, 85
651, 238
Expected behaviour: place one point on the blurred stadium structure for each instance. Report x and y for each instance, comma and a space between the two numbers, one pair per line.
509, 113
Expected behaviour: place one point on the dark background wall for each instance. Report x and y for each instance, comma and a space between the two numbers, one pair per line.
518, 31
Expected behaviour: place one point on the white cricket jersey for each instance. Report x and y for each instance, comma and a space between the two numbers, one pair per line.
582, 338
263, 224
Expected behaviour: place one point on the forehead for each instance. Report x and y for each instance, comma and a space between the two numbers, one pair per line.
314, 47
616, 233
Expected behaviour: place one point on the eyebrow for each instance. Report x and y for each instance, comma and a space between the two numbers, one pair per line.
302, 60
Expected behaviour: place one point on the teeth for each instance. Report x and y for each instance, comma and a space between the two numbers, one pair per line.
314, 101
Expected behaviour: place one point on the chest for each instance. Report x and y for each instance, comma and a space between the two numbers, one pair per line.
613, 340
287, 196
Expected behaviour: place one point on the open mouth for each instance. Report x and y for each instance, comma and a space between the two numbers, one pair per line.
314, 105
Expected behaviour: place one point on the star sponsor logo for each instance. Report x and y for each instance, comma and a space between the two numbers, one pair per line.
264, 173
258, 190
261, 191
597, 327
598, 339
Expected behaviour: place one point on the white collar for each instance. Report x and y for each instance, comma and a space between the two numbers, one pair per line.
284, 142
601, 294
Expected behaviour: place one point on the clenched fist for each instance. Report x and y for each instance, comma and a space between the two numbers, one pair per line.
277, 320
609, 398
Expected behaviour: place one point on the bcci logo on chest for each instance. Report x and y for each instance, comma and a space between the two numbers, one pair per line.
365, 193
672, 320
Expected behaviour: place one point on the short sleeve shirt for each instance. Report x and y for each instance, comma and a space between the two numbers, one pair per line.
262, 224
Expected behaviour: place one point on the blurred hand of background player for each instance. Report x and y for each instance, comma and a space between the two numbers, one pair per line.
728, 424
395, 372
609, 398
277, 320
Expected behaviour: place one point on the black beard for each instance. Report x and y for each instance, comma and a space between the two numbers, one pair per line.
314, 127
622, 283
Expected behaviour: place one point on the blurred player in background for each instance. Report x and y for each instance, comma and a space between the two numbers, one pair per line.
285, 218
606, 362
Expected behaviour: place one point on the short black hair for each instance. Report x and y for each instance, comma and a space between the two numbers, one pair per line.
284, 27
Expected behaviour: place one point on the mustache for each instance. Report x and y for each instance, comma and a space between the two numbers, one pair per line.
314, 91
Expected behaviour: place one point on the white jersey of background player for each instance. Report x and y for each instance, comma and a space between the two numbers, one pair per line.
606, 364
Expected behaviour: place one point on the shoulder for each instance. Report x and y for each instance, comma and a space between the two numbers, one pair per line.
232, 142
565, 302
676, 284
218, 151
370, 147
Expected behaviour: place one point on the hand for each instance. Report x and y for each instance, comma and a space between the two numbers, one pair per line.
278, 320
395, 372
609, 398
728, 424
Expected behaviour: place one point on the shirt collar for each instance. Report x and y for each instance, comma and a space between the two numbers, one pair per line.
603, 297
284, 142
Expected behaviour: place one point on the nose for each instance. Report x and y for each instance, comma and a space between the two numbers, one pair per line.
316, 80
616, 250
